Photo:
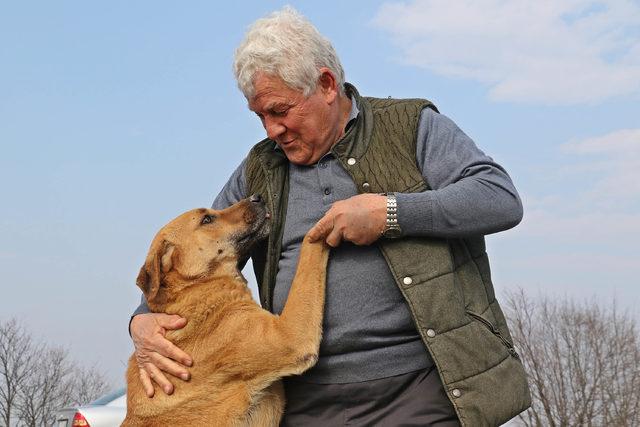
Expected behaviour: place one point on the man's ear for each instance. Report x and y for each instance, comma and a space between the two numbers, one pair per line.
157, 265
328, 84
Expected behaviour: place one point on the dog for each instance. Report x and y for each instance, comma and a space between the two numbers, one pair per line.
240, 351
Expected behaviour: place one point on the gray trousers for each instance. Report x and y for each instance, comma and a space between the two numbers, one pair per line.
413, 399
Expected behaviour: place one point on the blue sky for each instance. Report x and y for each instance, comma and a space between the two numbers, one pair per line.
117, 116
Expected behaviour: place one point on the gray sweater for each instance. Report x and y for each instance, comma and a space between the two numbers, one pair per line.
368, 330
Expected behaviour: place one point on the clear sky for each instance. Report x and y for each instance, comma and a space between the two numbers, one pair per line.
117, 116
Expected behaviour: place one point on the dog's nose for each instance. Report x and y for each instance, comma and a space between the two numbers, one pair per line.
255, 198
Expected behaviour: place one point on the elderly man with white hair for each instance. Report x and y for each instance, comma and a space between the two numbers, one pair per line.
413, 334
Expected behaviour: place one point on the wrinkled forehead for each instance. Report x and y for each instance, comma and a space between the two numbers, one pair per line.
269, 90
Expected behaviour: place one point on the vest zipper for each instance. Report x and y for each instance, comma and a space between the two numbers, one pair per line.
512, 351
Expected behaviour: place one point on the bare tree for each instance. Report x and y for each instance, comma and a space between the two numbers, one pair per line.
87, 384
37, 379
46, 389
16, 353
583, 361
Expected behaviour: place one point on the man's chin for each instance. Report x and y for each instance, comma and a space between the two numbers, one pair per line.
299, 157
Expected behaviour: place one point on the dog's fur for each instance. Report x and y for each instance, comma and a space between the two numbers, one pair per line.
240, 351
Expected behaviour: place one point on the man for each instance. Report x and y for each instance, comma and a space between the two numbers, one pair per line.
413, 334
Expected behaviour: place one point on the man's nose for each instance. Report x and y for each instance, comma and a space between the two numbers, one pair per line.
274, 128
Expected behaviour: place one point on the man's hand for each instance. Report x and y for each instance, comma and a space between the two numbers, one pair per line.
359, 219
155, 354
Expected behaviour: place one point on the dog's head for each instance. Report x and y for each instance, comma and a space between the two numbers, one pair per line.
201, 244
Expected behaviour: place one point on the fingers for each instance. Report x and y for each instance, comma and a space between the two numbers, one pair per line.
326, 229
167, 365
155, 341
152, 364
322, 228
358, 219
167, 349
146, 382
154, 353
334, 238
170, 321
158, 376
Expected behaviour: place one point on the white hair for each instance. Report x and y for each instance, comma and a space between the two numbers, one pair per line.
286, 45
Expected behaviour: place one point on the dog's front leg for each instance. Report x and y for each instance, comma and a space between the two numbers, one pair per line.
301, 318
275, 346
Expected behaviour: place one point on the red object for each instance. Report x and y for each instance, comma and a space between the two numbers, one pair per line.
79, 421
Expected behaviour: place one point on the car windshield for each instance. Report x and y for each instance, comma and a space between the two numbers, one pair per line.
109, 397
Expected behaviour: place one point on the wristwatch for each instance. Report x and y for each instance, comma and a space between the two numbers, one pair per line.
392, 229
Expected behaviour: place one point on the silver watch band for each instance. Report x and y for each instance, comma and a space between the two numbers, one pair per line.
392, 229
392, 210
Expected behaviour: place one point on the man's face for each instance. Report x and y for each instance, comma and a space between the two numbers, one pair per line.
304, 127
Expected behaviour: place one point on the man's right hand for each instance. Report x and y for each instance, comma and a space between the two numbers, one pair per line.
155, 354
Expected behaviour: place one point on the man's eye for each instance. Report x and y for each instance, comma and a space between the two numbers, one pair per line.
207, 219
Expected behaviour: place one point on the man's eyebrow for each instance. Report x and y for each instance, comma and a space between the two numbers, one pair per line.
277, 105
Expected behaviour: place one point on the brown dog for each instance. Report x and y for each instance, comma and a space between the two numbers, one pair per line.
239, 350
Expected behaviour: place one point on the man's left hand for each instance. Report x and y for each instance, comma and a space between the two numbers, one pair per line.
359, 219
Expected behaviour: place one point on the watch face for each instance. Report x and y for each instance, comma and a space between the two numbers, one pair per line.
392, 233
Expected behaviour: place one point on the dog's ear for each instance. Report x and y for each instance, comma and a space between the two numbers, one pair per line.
158, 263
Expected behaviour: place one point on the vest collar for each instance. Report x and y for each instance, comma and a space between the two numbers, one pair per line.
356, 139
274, 157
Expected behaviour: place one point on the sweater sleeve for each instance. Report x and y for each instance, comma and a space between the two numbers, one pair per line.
470, 194
234, 190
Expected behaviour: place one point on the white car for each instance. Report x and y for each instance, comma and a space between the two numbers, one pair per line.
107, 411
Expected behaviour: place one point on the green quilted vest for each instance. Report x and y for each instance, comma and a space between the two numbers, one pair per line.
446, 282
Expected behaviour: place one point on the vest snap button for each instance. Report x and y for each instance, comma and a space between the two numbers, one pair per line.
456, 392
431, 333
366, 187
407, 280
351, 161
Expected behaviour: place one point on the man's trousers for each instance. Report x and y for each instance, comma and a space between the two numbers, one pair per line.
412, 399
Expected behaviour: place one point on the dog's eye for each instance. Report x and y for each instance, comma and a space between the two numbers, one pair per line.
207, 219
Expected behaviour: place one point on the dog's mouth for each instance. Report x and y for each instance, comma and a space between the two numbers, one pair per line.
258, 230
